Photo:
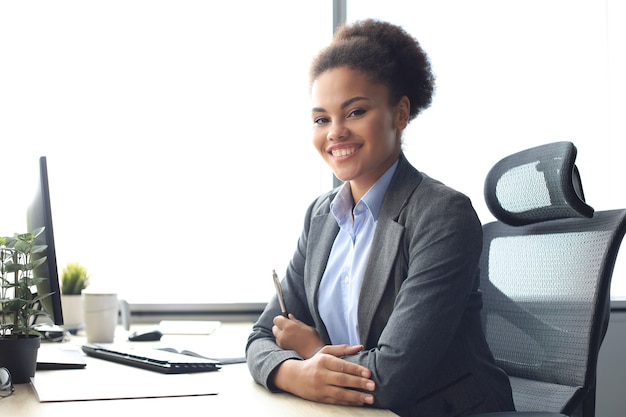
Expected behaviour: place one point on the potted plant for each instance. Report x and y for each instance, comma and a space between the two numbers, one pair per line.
74, 279
19, 339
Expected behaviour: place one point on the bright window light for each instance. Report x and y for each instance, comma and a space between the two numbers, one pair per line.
515, 74
177, 135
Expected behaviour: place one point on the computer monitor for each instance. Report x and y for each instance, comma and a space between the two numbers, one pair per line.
40, 214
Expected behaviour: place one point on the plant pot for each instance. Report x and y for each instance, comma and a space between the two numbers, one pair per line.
72, 306
19, 356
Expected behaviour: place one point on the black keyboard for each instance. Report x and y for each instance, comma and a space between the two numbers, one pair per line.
152, 359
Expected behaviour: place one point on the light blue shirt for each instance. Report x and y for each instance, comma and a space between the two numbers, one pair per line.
338, 299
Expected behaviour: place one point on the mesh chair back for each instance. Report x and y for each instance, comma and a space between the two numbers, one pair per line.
545, 274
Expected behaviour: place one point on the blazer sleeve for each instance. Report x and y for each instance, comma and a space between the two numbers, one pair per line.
427, 310
263, 355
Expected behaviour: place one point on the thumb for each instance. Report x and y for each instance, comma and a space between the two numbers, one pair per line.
293, 318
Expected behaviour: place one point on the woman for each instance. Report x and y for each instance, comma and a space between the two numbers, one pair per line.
382, 289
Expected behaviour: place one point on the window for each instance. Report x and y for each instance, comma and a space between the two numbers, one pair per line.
516, 74
177, 135
177, 132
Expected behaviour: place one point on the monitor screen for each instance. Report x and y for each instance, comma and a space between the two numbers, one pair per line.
40, 215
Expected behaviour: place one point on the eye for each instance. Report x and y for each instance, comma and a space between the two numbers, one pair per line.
320, 120
357, 113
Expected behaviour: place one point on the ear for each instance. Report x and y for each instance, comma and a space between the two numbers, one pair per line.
402, 112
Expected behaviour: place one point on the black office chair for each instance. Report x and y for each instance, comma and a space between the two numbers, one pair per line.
545, 273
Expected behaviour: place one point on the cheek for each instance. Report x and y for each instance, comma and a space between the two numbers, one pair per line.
382, 131
318, 138
390, 131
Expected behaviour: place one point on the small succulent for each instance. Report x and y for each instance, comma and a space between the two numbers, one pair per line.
74, 279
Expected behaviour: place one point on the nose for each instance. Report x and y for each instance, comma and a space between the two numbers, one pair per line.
337, 132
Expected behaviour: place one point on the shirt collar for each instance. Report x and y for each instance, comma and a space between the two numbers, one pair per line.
342, 204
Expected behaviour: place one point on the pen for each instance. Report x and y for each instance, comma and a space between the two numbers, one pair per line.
279, 294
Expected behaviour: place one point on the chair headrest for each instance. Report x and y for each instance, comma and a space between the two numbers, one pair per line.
535, 185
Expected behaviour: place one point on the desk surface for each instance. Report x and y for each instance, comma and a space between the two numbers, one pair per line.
238, 393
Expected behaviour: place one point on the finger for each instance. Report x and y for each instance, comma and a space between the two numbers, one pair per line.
294, 319
280, 321
343, 396
348, 374
342, 350
291, 320
352, 379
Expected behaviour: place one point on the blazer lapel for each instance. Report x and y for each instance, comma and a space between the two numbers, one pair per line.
385, 246
322, 235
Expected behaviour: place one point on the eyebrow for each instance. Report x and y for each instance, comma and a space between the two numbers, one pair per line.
343, 105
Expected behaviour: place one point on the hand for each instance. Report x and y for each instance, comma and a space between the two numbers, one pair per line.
327, 378
293, 334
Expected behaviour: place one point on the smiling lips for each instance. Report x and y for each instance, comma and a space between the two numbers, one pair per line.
342, 152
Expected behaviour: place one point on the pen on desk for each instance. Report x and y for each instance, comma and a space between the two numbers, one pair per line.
279, 294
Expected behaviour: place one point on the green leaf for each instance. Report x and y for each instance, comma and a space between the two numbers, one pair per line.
11, 267
13, 305
38, 231
40, 297
37, 262
36, 281
17, 314
22, 246
39, 249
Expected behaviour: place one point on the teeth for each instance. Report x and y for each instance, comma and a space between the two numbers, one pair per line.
343, 152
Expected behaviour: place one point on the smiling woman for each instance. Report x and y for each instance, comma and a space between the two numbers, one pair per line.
170, 138
355, 131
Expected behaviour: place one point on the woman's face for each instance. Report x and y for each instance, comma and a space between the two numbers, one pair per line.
355, 129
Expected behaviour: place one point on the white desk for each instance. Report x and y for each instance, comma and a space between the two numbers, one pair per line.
238, 393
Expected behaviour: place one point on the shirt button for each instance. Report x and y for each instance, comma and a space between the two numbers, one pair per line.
346, 279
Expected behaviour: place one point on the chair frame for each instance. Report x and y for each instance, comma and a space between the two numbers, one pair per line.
570, 213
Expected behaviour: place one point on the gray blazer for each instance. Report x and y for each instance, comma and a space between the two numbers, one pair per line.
419, 308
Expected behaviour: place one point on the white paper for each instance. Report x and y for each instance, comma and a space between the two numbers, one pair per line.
102, 380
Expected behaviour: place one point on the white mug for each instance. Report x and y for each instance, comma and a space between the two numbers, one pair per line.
101, 314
